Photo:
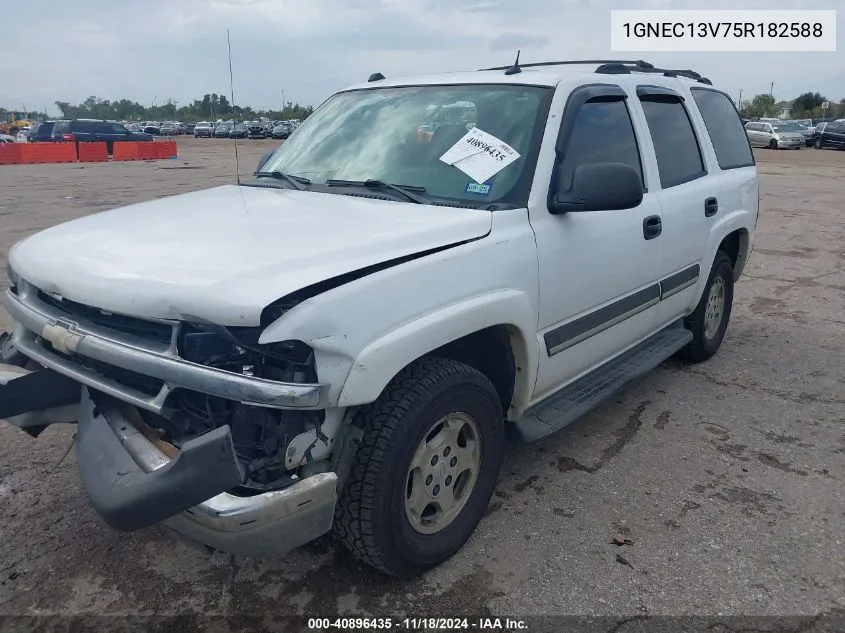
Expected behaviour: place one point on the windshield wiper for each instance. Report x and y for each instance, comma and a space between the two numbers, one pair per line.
296, 181
410, 192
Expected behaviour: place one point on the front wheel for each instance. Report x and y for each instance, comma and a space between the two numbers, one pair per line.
819, 143
773, 144
425, 469
709, 320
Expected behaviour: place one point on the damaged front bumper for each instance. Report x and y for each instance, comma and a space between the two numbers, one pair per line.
37, 322
134, 480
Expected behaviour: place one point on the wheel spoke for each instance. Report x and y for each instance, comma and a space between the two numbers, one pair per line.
466, 458
419, 499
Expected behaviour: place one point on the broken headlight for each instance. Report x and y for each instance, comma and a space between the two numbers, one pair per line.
237, 350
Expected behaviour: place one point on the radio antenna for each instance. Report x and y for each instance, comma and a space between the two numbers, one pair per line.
234, 113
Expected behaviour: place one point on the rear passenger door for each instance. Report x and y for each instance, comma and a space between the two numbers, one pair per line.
687, 192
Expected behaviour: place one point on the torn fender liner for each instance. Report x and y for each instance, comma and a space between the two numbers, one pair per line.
129, 499
33, 391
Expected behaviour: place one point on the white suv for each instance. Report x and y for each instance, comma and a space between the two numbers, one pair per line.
345, 339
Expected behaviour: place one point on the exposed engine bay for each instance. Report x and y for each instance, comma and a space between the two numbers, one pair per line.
261, 435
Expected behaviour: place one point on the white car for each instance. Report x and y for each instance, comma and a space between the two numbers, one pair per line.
345, 339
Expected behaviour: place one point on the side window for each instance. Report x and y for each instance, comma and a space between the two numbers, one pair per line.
675, 145
119, 129
603, 133
724, 126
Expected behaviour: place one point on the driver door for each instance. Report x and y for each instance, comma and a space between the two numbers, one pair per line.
598, 270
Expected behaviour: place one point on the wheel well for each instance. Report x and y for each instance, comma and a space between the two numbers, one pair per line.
735, 246
490, 352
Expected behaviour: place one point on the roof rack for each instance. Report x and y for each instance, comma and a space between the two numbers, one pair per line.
626, 68
572, 61
612, 67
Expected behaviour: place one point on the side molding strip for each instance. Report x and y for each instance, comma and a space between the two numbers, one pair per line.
584, 327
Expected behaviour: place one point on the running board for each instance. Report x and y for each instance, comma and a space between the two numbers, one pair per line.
570, 403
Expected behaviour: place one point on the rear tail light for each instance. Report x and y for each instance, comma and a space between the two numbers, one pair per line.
66, 136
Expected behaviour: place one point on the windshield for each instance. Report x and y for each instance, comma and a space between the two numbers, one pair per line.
786, 127
398, 135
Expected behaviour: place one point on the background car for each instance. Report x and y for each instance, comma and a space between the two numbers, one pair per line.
168, 129
152, 127
806, 131
203, 129
281, 131
774, 135
238, 131
256, 130
222, 131
190, 127
832, 134
41, 132
83, 130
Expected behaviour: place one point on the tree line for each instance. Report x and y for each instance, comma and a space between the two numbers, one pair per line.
210, 107
805, 106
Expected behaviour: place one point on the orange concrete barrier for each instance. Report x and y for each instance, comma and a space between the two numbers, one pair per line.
147, 150
125, 150
93, 153
31, 153
165, 149
10, 153
62, 152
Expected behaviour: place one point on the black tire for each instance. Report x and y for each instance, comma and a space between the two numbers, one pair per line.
773, 144
701, 348
370, 519
818, 143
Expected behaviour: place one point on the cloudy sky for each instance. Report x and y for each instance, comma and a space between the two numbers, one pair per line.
152, 50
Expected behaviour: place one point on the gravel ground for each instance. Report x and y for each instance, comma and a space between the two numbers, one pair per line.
727, 477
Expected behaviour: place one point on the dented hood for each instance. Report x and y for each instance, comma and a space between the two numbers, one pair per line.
223, 254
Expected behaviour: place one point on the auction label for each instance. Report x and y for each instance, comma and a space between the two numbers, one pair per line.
480, 155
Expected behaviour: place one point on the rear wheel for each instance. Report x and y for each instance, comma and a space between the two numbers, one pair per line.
709, 321
426, 467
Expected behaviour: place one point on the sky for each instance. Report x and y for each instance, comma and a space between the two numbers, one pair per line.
154, 50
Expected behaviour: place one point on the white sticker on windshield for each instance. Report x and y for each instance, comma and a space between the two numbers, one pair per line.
480, 155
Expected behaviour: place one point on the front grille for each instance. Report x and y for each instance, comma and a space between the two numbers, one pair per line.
147, 330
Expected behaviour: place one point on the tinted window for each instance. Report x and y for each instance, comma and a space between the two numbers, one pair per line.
603, 133
723, 125
678, 155
83, 126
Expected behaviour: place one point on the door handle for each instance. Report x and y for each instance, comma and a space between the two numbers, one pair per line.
711, 207
652, 227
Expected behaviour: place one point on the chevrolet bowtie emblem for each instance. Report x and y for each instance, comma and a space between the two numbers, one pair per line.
62, 335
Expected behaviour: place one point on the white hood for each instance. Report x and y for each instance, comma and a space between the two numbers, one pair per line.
223, 254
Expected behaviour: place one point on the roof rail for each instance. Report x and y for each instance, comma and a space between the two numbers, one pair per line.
574, 61
626, 68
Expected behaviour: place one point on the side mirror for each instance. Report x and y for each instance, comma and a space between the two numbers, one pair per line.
263, 160
598, 187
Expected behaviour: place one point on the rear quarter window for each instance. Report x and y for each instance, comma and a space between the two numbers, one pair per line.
724, 126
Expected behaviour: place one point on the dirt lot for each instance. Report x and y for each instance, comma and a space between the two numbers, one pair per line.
727, 476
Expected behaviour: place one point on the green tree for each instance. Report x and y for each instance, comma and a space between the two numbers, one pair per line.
807, 102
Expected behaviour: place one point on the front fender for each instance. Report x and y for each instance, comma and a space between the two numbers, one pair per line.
377, 364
